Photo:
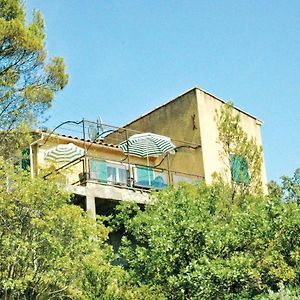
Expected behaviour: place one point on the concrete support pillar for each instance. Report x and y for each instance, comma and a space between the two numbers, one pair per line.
90, 202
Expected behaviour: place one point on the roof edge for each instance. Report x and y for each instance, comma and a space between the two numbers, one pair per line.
259, 122
160, 106
223, 101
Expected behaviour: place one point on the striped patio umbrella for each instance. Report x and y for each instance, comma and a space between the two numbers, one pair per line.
64, 153
147, 144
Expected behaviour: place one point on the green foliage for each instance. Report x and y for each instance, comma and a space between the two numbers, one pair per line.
284, 293
235, 141
50, 249
13, 142
196, 244
28, 81
291, 187
288, 189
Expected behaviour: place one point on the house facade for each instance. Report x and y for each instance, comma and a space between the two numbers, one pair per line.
101, 173
190, 117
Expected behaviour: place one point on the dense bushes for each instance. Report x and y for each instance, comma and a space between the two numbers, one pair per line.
50, 249
196, 244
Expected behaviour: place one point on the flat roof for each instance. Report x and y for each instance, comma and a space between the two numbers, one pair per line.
186, 92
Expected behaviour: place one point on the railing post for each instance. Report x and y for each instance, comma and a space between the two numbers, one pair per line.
85, 150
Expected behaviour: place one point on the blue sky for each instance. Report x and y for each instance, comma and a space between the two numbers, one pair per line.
126, 57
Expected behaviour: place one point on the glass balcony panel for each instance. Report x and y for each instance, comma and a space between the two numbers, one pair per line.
160, 180
143, 176
98, 170
111, 174
122, 175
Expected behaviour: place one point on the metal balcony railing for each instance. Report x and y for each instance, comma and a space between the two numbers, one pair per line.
121, 174
106, 171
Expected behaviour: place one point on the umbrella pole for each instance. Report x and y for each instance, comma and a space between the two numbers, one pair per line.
148, 169
129, 182
168, 164
148, 165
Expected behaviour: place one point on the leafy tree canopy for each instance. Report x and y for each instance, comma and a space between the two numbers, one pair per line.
288, 189
28, 80
50, 249
196, 244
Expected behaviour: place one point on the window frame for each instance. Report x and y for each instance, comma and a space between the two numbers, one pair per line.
104, 172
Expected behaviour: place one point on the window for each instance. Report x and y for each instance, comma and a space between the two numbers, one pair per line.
107, 171
116, 173
239, 169
98, 170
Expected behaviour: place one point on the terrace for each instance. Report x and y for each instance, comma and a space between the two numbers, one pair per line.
104, 171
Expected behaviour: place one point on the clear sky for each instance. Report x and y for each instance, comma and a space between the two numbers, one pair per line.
126, 57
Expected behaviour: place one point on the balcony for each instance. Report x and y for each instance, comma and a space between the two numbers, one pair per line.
108, 175
104, 171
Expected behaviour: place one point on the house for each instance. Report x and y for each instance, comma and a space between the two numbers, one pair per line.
102, 173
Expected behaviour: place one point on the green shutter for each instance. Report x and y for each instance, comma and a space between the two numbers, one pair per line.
98, 170
145, 175
239, 169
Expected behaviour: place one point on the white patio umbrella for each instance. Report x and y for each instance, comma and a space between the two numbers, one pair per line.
147, 144
64, 153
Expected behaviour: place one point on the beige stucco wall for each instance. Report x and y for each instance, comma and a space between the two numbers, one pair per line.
207, 106
179, 120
